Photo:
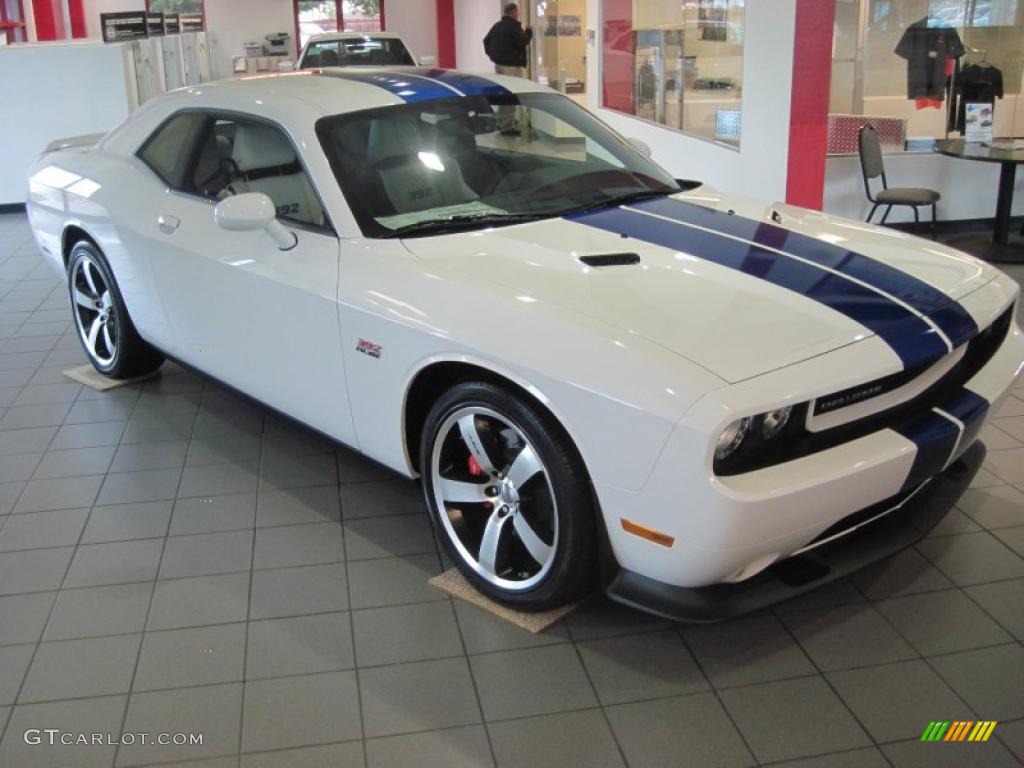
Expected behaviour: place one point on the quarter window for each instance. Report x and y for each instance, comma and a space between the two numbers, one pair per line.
168, 148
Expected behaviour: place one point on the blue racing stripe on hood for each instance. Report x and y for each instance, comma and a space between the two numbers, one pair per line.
910, 337
401, 84
949, 316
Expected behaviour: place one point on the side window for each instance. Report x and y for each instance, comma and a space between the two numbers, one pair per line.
167, 149
236, 156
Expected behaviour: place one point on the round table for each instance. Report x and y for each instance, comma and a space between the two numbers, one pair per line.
998, 248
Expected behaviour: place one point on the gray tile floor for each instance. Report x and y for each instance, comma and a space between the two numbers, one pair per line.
174, 559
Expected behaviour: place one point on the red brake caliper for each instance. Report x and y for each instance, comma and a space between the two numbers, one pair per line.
474, 467
477, 471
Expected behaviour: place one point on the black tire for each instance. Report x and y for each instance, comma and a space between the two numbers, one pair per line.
130, 355
572, 571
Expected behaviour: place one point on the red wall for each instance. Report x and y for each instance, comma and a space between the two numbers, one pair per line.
76, 7
808, 116
446, 33
49, 18
618, 55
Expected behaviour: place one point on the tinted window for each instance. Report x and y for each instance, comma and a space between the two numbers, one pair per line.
167, 150
358, 51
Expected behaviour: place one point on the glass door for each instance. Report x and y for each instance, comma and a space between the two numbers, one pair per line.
314, 17
559, 50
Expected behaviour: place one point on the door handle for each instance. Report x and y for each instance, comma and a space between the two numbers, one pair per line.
168, 224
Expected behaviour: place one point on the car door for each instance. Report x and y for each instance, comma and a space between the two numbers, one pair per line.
259, 318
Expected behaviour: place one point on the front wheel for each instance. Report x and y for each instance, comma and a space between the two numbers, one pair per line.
510, 497
108, 337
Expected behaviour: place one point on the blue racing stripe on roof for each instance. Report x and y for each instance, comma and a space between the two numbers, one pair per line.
471, 85
910, 337
949, 316
411, 89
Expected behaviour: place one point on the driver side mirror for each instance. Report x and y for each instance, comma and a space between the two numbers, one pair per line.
641, 146
428, 61
252, 211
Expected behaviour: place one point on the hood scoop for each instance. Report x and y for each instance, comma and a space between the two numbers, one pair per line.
611, 260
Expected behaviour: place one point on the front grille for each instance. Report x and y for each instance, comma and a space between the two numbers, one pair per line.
979, 351
862, 392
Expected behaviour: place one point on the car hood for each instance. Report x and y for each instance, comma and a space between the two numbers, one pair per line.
732, 285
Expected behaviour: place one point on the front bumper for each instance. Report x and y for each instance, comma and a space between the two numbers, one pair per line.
884, 536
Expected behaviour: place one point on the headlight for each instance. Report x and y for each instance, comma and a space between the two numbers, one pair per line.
732, 437
760, 441
773, 422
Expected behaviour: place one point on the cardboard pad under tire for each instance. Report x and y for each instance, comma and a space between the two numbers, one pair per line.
453, 582
90, 377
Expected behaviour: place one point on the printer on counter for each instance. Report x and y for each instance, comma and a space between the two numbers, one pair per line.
276, 44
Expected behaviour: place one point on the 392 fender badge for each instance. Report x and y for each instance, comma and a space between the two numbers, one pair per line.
368, 348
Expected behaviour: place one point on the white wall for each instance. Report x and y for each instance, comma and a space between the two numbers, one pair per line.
234, 22
86, 92
229, 24
968, 187
759, 166
472, 20
416, 22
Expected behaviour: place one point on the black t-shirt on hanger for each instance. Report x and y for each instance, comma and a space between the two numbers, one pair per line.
976, 83
926, 50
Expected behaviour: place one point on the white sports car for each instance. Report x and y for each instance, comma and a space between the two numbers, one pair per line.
357, 49
602, 374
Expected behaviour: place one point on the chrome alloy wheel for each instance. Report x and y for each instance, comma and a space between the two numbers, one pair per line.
494, 498
94, 311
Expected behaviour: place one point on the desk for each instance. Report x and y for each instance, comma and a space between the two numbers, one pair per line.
999, 248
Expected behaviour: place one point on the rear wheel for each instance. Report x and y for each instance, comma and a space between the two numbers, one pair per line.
509, 496
104, 328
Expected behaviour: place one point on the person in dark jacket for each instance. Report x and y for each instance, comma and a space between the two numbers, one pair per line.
505, 45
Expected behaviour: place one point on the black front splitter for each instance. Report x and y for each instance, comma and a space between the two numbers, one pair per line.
806, 572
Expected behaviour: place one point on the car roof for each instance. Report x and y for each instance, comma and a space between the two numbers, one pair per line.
328, 36
338, 90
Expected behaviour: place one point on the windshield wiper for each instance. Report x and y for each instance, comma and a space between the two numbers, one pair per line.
629, 197
463, 222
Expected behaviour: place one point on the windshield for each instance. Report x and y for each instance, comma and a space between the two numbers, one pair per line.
358, 51
480, 161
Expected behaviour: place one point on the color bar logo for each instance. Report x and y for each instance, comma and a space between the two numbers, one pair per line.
959, 730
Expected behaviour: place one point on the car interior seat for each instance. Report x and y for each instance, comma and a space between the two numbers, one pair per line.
265, 162
411, 178
454, 139
329, 58
214, 167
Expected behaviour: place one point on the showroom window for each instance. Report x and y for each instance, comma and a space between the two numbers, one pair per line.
678, 64
12, 22
176, 6
914, 65
314, 17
